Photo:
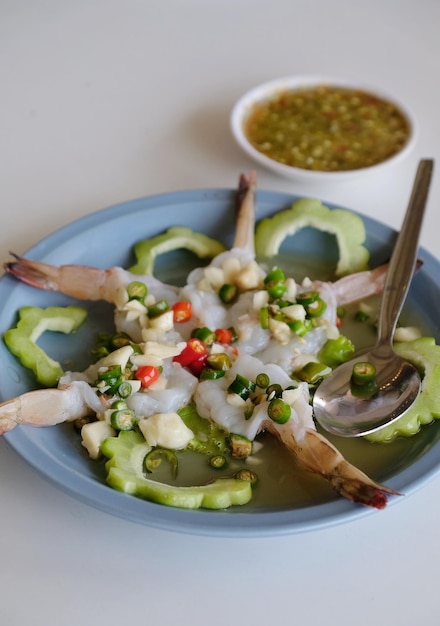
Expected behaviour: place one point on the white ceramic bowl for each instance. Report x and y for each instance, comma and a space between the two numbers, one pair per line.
271, 89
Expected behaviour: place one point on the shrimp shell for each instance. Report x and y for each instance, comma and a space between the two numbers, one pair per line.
317, 455
47, 407
83, 282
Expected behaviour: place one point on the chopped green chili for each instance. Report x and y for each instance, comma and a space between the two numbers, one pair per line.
219, 361
228, 293
300, 327
262, 380
336, 351
205, 334
119, 340
241, 446
279, 411
316, 308
275, 275
276, 289
209, 373
154, 458
158, 308
313, 372
234, 337
242, 386
274, 391
218, 461
248, 476
137, 291
123, 419
307, 297
363, 373
125, 389
264, 317
361, 316
111, 379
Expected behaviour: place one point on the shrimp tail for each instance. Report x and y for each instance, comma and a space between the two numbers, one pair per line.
85, 283
48, 407
354, 485
78, 281
32, 273
245, 220
363, 284
317, 455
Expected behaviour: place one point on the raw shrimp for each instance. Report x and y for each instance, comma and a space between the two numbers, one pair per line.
91, 283
47, 407
75, 397
204, 283
83, 282
311, 449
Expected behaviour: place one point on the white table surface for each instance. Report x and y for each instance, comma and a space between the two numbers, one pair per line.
108, 100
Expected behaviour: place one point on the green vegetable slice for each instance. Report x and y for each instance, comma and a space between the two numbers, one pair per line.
209, 438
32, 323
425, 355
177, 237
124, 473
348, 228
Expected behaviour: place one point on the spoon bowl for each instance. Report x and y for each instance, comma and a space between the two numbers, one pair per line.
342, 409
350, 410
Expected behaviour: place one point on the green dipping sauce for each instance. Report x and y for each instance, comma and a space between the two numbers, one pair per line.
328, 129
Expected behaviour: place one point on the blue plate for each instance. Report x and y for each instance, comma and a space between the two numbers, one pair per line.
106, 238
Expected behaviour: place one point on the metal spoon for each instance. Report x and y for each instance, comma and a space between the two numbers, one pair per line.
338, 407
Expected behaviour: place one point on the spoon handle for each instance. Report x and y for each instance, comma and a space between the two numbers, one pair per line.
404, 256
